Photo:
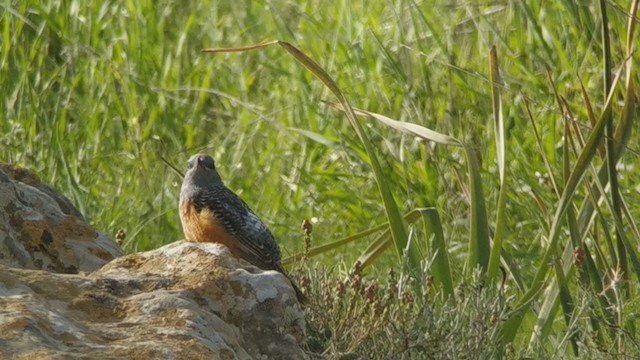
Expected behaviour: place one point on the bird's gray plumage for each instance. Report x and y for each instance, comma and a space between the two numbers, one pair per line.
203, 187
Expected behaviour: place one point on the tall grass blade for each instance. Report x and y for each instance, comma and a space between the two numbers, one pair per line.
406, 127
441, 270
612, 160
335, 244
479, 244
498, 128
627, 117
498, 120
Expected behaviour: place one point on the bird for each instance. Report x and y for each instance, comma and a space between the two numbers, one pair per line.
211, 212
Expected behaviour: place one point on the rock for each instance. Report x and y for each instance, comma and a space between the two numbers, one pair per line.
40, 229
182, 301
61, 298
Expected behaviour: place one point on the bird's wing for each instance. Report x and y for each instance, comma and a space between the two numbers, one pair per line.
253, 237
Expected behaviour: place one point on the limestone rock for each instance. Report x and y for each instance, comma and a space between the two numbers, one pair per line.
182, 301
61, 298
40, 229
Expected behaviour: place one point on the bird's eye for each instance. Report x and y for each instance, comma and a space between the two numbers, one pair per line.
189, 165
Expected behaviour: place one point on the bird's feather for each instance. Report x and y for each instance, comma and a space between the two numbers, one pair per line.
254, 240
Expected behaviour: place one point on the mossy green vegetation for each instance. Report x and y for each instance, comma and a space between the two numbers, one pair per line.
456, 148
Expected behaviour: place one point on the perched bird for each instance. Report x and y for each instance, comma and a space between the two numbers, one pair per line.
210, 212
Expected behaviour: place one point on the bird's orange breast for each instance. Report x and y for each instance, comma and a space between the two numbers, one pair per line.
203, 226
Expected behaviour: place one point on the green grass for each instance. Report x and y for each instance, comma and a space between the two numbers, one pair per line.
94, 96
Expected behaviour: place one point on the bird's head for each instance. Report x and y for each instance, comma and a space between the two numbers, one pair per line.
201, 171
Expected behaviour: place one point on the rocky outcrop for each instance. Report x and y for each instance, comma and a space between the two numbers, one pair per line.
41, 230
182, 301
